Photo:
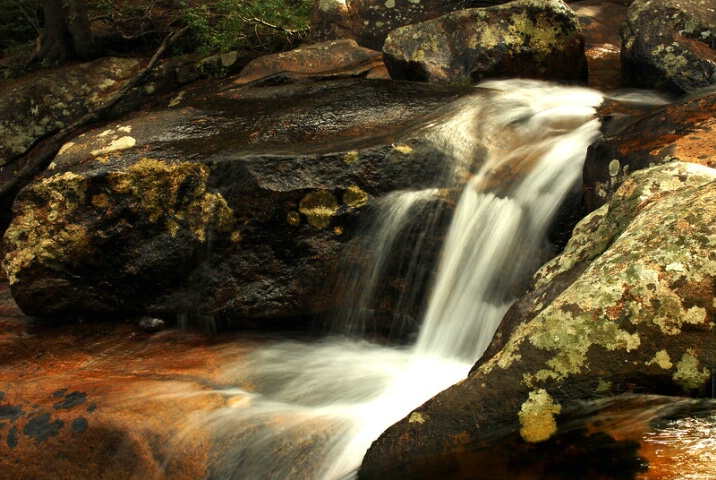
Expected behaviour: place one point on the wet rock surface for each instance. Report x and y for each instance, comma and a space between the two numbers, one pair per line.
601, 23
519, 39
231, 205
682, 131
637, 317
670, 44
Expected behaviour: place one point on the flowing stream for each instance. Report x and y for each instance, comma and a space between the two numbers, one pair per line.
312, 409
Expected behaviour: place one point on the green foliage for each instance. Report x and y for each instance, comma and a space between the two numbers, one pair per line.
268, 25
18, 23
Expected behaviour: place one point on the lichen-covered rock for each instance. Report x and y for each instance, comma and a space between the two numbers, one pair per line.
370, 21
524, 38
670, 44
40, 104
637, 316
682, 131
237, 205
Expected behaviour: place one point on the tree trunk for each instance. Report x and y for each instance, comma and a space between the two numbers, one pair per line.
54, 46
79, 29
67, 32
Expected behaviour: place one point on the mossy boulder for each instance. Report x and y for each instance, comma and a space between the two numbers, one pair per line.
627, 308
238, 205
370, 21
670, 44
524, 38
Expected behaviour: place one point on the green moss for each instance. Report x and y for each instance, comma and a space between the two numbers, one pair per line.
319, 207
688, 374
537, 416
175, 194
43, 232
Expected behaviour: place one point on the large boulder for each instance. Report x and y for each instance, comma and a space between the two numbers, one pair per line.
670, 44
236, 205
370, 21
682, 131
627, 308
524, 38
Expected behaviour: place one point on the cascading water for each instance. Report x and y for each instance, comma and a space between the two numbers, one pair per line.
311, 410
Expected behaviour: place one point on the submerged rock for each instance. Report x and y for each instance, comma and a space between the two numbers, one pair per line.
525, 38
670, 44
632, 312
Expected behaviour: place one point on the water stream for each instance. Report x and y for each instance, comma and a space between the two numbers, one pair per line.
311, 409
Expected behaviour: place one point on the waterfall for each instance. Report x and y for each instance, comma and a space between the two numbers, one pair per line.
311, 410
494, 242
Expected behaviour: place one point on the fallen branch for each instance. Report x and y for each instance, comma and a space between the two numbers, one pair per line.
14, 175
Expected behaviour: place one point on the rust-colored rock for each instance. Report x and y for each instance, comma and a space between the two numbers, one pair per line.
683, 131
321, 61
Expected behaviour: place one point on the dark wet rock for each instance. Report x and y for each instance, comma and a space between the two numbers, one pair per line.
321, 61
683, 131
670, 44
525, 38
234, 205
638, 318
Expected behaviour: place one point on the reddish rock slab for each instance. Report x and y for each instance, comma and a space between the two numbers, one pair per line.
684, 131
102, 401
320, 61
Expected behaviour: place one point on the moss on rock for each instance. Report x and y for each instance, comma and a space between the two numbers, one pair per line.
174, 193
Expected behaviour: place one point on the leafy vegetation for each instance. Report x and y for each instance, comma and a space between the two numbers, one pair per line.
269, 25
19, 23
140, 26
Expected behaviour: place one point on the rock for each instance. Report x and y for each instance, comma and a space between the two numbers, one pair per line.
40, 104
683, 131
101, 400
370, 21
232, 203
321, 61
633, 313
330, 20
525, 38
670, 44
601, 23
151, 324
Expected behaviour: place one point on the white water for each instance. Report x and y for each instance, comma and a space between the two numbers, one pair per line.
311, 410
